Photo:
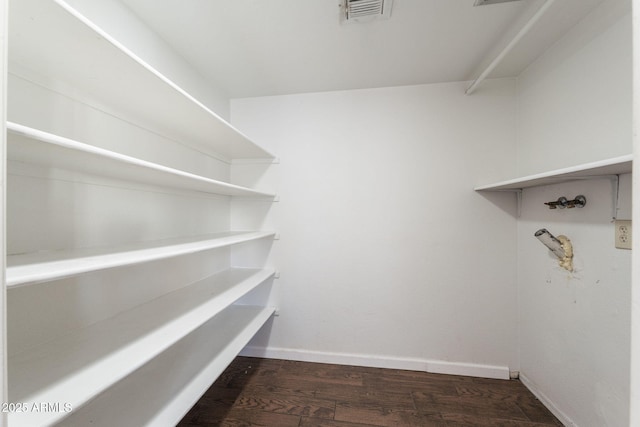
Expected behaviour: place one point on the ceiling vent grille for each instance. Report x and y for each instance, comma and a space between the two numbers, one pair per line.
365, 10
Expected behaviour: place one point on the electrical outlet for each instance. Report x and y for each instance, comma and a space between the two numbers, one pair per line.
623, 233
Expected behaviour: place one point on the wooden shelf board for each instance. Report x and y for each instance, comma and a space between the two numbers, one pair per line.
603, 168
78, 366
45, 266
55, 40
30, 145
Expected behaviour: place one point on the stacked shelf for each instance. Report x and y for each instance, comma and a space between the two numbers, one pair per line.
55, 40
603, 168
90, 363
38, 267
212, 346
29, 145
84, 363
227, 335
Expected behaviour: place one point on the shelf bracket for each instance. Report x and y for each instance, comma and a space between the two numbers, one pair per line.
615, 191
519, 203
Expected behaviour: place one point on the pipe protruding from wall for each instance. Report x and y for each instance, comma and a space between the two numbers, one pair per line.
560, 246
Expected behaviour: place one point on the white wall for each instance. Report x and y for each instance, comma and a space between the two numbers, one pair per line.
574, 102
575, 327
574, 106
387, 255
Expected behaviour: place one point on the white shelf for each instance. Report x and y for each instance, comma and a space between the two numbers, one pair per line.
229, 341
44, 266
169, 385
603, 168
77, 367
30, 145
54, 40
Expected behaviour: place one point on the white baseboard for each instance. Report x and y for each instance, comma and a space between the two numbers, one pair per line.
411, 364
564, 419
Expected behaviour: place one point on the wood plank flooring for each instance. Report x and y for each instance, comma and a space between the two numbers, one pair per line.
280, 393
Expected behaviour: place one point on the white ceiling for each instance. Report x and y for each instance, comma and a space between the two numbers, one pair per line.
269, 47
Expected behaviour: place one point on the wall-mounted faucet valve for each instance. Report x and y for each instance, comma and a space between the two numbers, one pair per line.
563, 202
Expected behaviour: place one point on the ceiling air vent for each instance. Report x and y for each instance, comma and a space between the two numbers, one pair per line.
366, 10
486, 2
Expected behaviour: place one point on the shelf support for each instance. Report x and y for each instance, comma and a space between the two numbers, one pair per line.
615, 191
523, 31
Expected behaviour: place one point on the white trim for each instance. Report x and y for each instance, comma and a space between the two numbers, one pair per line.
374, 361
4, 396
546, 401
634, 383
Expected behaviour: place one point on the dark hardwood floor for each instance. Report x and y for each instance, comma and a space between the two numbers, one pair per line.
279, 393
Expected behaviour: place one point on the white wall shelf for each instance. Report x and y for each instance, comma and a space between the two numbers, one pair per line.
53, 39
603, 168
78, 366
228, 333
209, 349
29, 145
38, 267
